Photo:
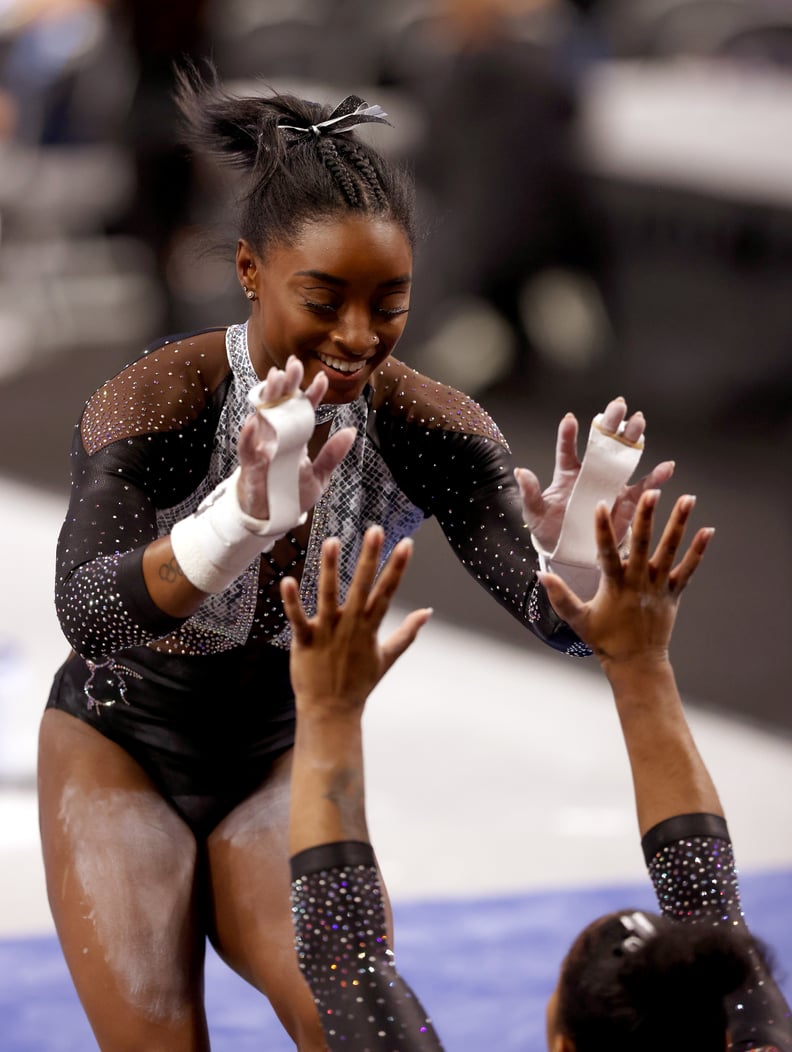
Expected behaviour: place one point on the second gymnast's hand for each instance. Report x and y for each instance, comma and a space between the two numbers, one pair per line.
336, 658
632, 615
543, 510
257, 444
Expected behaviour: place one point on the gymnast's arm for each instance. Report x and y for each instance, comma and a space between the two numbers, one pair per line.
337, 900
123, 471
121, 581
451, 460
685, 839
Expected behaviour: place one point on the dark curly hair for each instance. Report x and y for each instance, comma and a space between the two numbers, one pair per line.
664, 992
292, 178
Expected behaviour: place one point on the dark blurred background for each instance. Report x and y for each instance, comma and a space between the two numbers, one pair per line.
606, 190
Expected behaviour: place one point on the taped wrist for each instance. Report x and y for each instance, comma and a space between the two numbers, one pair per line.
608, 462
218, 542
293, 422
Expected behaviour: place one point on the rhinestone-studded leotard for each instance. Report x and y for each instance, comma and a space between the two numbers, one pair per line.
691, 864
151, 443
364, 1003
344, 953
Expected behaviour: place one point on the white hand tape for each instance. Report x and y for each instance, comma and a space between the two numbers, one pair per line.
219, 541
608, 462
293, 422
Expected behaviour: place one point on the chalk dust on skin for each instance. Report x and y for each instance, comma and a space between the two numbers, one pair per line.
134, 860
254, 842
260, 821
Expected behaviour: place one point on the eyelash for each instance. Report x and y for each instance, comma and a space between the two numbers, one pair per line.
320, 308
329, 308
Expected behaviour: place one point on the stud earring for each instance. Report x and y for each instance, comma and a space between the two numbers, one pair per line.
250, 293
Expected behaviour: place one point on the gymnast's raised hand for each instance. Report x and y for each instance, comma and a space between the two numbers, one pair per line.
336, 658
260, 440
544, 510
269, 493
633, 612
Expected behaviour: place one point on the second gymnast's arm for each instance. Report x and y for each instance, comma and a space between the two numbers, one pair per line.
338, 904
685, 837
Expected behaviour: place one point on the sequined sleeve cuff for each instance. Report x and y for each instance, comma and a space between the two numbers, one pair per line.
140, 607
330, 856
679, 828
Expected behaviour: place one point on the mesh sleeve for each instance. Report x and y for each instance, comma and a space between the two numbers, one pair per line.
342, 946
481, 516
691, 865
143, 443
451, 460
467, 482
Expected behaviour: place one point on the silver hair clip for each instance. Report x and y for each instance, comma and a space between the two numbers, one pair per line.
348, 114
639, 930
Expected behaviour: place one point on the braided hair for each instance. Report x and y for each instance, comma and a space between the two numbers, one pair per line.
635, 994
297, 172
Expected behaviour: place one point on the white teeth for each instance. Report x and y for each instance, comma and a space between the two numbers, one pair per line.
339, 364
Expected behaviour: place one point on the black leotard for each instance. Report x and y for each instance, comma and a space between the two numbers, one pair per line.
364, 1003
204, 703
691, 865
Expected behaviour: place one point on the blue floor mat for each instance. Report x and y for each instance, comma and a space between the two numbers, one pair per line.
483, 969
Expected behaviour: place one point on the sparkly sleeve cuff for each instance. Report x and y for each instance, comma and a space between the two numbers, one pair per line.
681, 826
329, 856
139, 605
548, 626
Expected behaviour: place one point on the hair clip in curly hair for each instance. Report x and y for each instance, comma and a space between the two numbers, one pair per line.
639, 931
348, 114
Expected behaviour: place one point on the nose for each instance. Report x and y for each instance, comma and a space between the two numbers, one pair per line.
355, 333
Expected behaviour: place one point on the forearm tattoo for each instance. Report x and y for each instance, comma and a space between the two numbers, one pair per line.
170, 571
346, 796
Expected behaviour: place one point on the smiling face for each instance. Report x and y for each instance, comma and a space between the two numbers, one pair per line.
336, 298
